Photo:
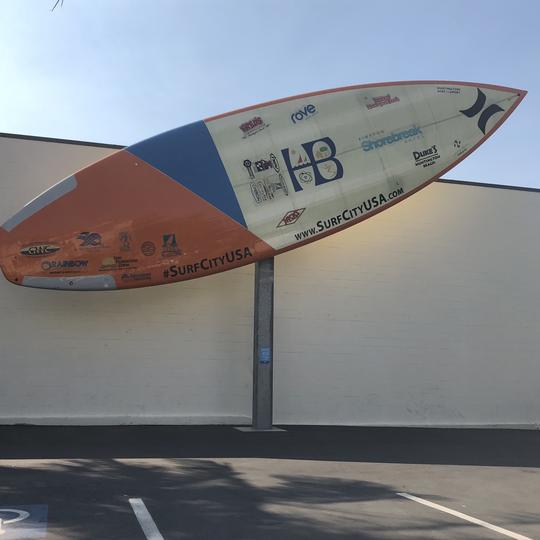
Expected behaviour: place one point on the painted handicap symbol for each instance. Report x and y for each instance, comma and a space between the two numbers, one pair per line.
23, 522
19, 516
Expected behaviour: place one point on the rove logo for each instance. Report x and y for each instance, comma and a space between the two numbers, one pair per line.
477, 107
307, 112
318, 154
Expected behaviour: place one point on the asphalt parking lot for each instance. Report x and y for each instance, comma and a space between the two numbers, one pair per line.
165, 482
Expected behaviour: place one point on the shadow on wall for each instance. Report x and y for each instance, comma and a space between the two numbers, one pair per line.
88, 499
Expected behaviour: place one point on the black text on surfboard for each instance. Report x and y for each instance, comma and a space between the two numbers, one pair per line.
318, 154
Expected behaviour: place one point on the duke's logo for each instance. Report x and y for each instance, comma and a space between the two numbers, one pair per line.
317, 157
306, 112
426, 157
477, 107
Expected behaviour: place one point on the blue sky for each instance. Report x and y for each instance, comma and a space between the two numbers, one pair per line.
118, 71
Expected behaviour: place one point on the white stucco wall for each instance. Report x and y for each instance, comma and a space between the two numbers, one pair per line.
427, 314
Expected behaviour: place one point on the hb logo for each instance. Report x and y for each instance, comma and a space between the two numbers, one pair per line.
486, 113
320, 154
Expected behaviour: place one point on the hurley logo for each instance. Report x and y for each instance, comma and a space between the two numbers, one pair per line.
477, 107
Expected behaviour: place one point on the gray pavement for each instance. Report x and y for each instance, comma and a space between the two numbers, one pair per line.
305, 482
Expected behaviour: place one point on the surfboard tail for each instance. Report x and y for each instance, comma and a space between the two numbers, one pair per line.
8, 256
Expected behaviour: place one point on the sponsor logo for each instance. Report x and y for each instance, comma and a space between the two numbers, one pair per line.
136, 277
125, 241
39, 250
169, 247
263, 165
266, 181
204, 265
265, 355
291, 217
478, 108
89, 239
394, 137
117, 263
148, 248
308, 111
317, 154
381, 101
66, 266
426, 157
349, 214
460, 148
448, 90
253, 126
305, 177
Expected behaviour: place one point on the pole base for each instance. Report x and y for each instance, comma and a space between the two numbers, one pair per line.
251, 429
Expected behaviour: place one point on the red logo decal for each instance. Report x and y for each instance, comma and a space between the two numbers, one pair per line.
291, 217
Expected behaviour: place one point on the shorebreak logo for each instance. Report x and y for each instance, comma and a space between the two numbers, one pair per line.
370, 144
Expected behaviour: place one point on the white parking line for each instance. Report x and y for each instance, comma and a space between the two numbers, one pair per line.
465, 517
145, 520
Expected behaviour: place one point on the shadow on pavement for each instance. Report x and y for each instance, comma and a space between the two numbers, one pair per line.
88, 500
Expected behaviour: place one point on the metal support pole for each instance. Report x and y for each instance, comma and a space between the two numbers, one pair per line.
263, 345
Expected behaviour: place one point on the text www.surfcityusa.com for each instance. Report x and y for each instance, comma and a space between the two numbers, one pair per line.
348, 214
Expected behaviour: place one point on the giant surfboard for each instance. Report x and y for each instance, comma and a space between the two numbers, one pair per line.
247, 185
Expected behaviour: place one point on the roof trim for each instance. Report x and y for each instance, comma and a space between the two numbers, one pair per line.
59, 141
119, 147
486, 184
